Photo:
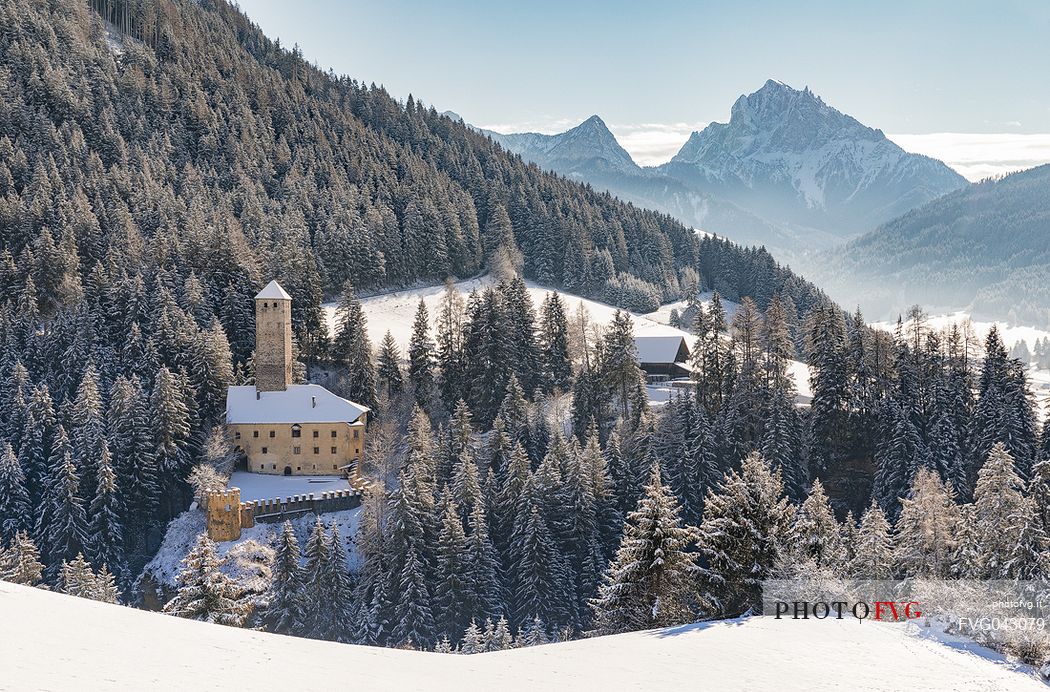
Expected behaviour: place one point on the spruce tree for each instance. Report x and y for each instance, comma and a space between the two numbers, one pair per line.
451, 589
816, 534
352, 348
746, 523
15, 511
105, 544
873, 547
62, 523
283, 613
421, 357
389, 365
205, 592
20, 561
652, 580
555, 362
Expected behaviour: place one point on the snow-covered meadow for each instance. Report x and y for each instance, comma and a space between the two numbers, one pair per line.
95, 646
394, 312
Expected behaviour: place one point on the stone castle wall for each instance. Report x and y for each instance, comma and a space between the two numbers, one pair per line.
226, 520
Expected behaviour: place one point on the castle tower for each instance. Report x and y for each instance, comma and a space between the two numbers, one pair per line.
224, 515
273, 339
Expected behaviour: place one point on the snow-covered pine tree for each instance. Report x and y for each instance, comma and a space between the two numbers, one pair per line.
87, 426
483, 575
15, 511
746, 523
535, 632
170, 416
501, 638
452, 600
873, 547
1010, 537
541, 585
413, 615
205, 592
388, 365
421, 357
76, 578
283, 613
106, 589
898, 459
815, 533
473, 640
134, 457
352, 348
555, 362
781, 443
105, 545
20, 561
62, 523
927, 529
652, 580
338, 588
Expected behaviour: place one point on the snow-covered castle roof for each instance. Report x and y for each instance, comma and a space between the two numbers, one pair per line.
300, 403
273, 291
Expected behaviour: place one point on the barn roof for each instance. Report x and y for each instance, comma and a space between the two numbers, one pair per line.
662, 349
273, 291
300, 403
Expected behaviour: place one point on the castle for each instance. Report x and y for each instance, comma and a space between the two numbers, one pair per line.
284, 428
280, 428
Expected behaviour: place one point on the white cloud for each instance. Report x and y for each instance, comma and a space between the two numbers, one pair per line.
651, 144
978, 156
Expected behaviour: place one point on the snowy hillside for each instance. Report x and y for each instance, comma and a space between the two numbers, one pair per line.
66, 643
395, 312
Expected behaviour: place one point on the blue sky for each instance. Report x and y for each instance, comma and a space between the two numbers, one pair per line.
656, 70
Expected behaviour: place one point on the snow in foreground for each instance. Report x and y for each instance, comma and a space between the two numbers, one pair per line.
68, 643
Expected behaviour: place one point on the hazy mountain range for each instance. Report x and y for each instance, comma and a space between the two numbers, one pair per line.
985, 248
787, 171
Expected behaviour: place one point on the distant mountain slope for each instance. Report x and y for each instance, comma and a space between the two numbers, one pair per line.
588, 148
787, 171
110, 647
787, 156
986, 247
590, 153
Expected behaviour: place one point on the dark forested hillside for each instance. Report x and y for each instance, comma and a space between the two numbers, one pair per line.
194, 141
984, 247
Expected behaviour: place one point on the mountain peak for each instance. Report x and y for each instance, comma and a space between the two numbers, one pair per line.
798, 159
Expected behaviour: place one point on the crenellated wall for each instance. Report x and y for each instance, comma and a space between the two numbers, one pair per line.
228, 518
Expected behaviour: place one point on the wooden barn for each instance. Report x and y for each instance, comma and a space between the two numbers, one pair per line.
663, 357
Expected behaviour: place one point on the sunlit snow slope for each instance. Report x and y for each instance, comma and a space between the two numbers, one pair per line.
57, 642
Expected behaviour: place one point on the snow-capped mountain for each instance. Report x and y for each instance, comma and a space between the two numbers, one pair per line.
789, 157
587, 148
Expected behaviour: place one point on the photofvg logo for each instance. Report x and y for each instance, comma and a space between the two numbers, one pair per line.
883, 611
976, 608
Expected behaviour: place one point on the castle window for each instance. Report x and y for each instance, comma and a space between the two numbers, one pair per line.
357, 434
273, 466
298, 468
334, 467
296, 450
333, 450
265, 450
272, 434
255, 433
333, 433
317, 450
297, 431
316, 433
237, 435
